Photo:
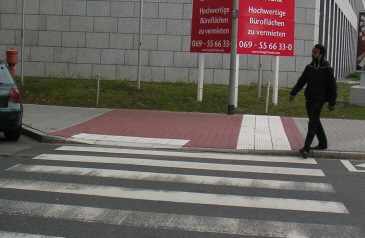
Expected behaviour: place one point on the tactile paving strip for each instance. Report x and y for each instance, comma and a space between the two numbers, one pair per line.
262, 133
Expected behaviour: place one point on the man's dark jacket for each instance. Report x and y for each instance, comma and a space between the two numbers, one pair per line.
321, 83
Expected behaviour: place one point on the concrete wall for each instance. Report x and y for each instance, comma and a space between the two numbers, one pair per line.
83, 38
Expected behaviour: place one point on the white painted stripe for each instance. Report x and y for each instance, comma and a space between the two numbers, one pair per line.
361, 165
125, 144
219, 225
219, 156
350, 167
183, 165
5, 234
177, 196
129, 140
176, 178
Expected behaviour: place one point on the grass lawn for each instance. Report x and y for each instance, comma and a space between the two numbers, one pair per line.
174, 97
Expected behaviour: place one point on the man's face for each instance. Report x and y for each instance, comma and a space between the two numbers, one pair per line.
316, 55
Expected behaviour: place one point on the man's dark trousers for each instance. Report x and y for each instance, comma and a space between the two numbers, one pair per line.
315, 127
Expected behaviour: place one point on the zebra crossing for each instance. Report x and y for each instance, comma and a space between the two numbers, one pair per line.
176, 178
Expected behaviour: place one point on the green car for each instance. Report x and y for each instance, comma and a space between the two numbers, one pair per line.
11, 107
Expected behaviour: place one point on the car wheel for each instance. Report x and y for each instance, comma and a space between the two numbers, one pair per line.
13, 135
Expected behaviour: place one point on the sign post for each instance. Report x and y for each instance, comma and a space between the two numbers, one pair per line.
201, 77
233, 74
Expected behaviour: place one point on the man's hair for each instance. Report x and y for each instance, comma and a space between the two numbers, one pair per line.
321, 48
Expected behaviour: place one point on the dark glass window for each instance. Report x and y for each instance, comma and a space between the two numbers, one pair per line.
5, 76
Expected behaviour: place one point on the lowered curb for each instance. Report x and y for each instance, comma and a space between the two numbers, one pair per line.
45, 138
40, 135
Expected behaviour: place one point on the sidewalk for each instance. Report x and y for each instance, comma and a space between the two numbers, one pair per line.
246, 134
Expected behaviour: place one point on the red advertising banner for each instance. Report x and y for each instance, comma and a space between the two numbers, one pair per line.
211, 28
360, 60
266, 27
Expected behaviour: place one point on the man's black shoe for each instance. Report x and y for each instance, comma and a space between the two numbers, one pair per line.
304, 153
319, 147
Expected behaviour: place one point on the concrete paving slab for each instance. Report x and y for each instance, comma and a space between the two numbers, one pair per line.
54, 118
342, 135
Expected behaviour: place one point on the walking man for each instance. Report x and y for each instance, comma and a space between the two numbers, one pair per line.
321, 88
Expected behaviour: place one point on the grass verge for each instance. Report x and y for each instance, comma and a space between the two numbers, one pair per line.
174, 97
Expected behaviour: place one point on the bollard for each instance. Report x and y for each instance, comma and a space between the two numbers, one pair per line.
267, 97
97, 91
12, 60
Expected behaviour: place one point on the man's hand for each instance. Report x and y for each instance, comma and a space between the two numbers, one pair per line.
291, 98
331, 108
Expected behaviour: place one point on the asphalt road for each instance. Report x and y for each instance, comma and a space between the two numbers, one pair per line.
11, 147
89, 191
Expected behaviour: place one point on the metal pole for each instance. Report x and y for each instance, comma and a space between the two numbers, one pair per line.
236, 81
233, 66
201, 77
276, 83
140, 45
22, 47
260, 77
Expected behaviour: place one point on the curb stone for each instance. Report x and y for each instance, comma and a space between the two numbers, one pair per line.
45, 138
40, 135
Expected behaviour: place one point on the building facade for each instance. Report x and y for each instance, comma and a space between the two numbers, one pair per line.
83, 38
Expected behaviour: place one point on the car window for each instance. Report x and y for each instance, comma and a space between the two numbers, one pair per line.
5, 76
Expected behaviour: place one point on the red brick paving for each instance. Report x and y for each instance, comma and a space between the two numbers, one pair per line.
296, 139
202, 129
